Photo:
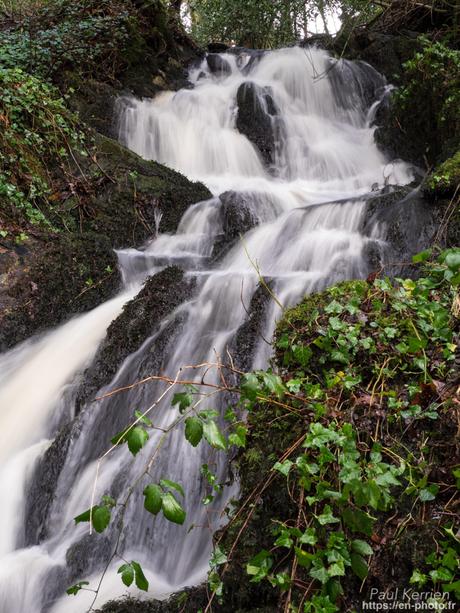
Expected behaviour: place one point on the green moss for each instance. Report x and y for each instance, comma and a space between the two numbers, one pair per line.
444, 180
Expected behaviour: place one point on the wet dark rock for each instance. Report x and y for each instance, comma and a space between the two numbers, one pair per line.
42, 488
406, 222
255, 119
355, 84
51, 277
54, 275
161, 294
218, 65
249, 335
189, 600
82, 557
217, 47
238, 217
139, 319
126, 209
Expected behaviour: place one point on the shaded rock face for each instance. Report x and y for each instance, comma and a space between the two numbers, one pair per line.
160, 295
126, 210
406, 224
256, 118
45, 280
355, 84
218, 65
249, 334
237, 215
54, 275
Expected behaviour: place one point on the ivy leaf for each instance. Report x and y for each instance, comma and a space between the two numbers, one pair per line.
172, 509
361, 547
273, 383
127, 574
74, 589
101, 518
283, 467
309, 537
334, 589
218, 557
319, 572
429, 492
250, 386
259, 566
418, 578
423, 256
238, 437
358, 520
327, 517
193, 430
141, 580
359, 566
153, 498
304, 558
214, 436
173, 485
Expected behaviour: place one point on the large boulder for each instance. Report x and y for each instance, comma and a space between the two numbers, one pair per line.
403, 222
49, 277
52, 275
256, 118
218, 65
161, 294
134, 192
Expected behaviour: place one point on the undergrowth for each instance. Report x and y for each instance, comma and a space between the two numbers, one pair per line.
63, 35
37, 133
430, 99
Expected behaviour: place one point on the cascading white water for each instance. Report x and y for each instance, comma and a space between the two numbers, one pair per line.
306, 209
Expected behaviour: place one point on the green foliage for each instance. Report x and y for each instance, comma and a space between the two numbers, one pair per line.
74, 589
99, 515
372, 338
261, 24
158, 497
135, 437
132, 571
358, 349
431, 97
444, 180
342, 487
78, 35
37, 131
442, 567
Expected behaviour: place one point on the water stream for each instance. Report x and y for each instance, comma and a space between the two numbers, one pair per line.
324, 155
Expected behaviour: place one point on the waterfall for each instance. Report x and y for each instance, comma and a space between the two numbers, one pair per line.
302, 211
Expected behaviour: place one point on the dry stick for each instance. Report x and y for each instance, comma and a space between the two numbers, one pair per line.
294, 563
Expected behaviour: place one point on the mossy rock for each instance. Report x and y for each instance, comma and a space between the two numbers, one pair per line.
48, 278
161, 294
133, 192
444, 180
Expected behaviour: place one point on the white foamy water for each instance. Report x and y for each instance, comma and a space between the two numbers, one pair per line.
305, 210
